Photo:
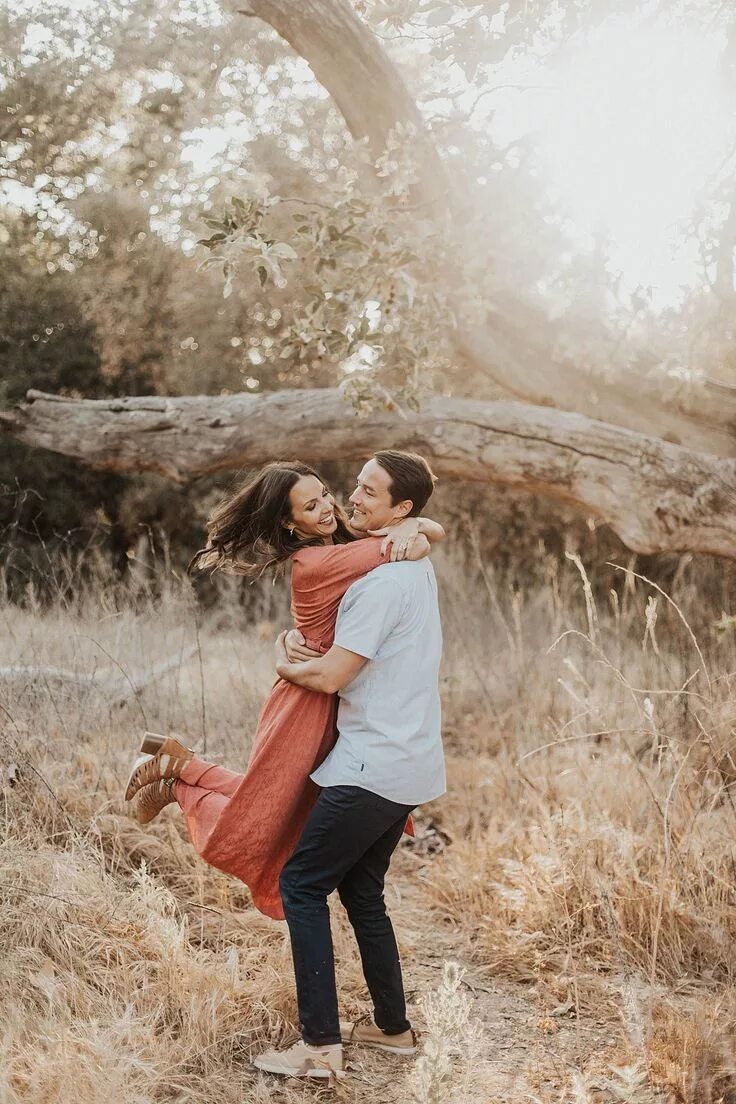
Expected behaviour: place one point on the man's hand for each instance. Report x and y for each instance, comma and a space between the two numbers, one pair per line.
327, 674
280, 657
296, 648
401, 538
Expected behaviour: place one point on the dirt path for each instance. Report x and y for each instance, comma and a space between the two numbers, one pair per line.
527, 1053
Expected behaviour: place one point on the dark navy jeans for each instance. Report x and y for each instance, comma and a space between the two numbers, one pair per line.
346, 845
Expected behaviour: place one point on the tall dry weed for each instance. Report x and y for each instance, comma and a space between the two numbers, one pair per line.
452, 1044
587, 833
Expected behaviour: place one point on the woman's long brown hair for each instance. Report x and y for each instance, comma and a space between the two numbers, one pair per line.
246, 534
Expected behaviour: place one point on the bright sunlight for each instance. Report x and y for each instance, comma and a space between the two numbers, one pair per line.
630, 127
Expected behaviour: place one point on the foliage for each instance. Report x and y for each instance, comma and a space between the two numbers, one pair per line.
131, 970
318, 263
359, 261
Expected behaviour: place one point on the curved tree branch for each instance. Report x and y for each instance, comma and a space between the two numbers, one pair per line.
656, 496
351, 64
119, 688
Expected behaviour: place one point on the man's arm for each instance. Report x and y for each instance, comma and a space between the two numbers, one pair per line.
328, 674
296, 649
432, 530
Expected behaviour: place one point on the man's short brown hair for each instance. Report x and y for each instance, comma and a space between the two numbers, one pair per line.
411, 477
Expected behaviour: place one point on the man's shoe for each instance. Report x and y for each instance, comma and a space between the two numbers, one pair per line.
367, 1034
303, 1060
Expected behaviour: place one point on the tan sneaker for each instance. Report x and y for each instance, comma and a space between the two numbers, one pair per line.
368, 1034
303, 1060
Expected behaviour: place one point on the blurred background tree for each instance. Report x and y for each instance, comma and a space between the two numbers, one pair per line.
132, 132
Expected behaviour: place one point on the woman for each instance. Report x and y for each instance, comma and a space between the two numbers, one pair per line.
284, 513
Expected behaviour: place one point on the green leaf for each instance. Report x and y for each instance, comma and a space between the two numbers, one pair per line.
213, 240
262, 275
207, 262
335, 341
356, 243
285, 251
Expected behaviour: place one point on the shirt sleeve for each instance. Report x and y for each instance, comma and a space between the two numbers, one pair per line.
368, 615
339, 565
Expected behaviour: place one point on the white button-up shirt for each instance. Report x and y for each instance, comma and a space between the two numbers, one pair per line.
389, 718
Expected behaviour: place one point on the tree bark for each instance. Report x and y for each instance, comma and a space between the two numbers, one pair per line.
656, 496
350, 63
118, 687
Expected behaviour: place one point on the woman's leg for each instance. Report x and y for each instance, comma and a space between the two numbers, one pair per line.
203, 791
209, 776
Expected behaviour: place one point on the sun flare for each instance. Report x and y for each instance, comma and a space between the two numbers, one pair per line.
631, 129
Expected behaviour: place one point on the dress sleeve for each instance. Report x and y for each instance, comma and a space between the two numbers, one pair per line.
339, 565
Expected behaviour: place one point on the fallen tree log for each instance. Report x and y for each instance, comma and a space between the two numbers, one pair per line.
110, 682
655, 495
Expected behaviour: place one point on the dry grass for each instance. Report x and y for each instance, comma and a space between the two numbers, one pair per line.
588, 868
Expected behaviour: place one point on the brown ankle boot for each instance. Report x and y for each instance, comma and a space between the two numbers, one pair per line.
153, 798
167, 761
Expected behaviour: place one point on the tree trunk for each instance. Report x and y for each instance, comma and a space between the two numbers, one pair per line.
656, 496
118, 687
350, 63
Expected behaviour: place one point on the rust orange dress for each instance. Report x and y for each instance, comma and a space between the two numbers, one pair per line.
248, 824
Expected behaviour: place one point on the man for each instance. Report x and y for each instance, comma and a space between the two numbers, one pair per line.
388, 759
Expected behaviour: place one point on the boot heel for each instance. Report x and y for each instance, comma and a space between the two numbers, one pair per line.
163, 757
151, 743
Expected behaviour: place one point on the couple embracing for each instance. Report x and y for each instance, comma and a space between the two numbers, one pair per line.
348, 742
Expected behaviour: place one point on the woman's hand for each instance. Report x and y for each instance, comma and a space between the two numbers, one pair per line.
419, 549
400, 538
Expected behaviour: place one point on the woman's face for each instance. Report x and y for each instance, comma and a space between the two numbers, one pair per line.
312, 509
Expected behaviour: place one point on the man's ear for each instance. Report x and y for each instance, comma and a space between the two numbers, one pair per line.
403, 509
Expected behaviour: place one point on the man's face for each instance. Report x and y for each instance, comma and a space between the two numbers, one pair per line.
371, 500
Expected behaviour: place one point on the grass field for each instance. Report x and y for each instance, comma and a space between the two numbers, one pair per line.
579, 871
